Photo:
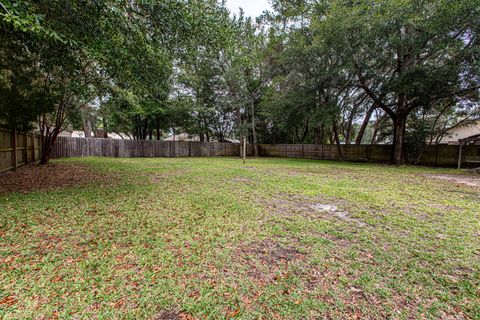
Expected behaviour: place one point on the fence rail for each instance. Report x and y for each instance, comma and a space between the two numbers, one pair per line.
18, 148
436, 155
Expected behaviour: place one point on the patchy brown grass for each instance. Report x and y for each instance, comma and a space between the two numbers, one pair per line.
289, 205
172, 315
269, 252
47, 177
468, 180
204, 238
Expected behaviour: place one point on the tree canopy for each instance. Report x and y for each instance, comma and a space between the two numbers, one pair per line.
331, 71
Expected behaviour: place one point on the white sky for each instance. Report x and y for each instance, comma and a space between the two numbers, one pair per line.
252, 8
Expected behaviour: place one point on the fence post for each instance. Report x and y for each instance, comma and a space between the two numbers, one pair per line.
25, 145
33, 147
14, 149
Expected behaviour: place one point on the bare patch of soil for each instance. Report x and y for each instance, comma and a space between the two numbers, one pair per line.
45, 177
173, 315
168, 315
267, 259
472, 181
310, 207
335, 211
270, 252
244, 180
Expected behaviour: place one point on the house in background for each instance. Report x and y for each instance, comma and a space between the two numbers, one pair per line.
99, 133
182, 137
461, 132
194, 137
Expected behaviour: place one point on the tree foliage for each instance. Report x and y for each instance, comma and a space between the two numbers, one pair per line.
331, 71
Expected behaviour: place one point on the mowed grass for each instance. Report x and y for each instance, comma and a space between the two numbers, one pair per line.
213, 238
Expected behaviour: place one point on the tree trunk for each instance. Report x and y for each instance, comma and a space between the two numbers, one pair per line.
254, 131
349, 129
319, 134
48, 141
364, 126
374, 135
304, 134
159, 134
87, 125
399, 124
330, 136
337, 142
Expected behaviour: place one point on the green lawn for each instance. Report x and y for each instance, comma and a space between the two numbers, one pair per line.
213, 238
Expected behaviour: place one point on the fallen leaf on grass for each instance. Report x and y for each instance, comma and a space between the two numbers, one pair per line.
9, 301
233, 313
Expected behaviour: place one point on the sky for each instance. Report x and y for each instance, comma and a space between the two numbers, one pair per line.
252, 8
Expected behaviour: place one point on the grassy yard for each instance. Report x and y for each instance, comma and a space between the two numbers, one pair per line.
212, 238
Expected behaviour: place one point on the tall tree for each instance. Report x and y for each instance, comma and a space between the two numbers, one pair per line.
406, 55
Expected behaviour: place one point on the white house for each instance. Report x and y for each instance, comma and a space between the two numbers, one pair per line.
461, 132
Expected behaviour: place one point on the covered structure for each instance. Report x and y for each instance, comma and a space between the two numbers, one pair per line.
461, 142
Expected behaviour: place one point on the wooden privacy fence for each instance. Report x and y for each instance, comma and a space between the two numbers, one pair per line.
355, 153
18, 148
81, 147
437, 155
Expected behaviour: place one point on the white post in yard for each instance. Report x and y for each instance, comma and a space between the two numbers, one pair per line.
244, 149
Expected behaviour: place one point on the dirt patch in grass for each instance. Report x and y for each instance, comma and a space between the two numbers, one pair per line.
266, 259
472, 181
270, 252
168, 315
310, 207
243, 180
164, 175
46, 177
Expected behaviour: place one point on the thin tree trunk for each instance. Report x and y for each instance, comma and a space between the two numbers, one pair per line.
364, 126
158, 129
374, 135
348, 132
47, 145
321, 137
254, 131
337, 142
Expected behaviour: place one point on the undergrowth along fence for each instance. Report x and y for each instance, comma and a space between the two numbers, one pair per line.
436, 155
18, 148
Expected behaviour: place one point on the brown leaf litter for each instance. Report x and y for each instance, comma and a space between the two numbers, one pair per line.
46, 177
